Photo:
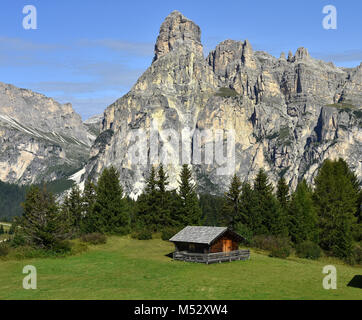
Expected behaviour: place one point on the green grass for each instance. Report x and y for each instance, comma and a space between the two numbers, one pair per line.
130, 269
226, 93
342, 105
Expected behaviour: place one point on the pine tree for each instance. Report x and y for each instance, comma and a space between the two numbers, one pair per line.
267, 205
250, 216
303, 220
42, 224
109, 214
335, 198
283, 193
2, 231
231, 208
163, 202
147, 204
88, 201
162, 180
72, 209
190, 211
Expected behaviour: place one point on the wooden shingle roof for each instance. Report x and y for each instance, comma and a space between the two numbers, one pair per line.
203, 235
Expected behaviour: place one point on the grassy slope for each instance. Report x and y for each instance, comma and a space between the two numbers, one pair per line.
130, 269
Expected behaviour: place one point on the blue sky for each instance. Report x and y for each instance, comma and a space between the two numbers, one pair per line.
90, 52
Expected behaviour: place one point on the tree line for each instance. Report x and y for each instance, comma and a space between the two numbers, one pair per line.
328, 215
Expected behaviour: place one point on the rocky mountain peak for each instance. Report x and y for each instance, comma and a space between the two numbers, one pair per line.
287, 117
301, 53
178, 31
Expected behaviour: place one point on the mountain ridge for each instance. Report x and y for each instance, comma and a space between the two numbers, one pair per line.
290, 113
41, 139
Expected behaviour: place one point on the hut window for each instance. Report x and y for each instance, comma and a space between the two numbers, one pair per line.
191, 247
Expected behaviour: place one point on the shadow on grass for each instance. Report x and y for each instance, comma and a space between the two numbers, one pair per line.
356, 282
169, 255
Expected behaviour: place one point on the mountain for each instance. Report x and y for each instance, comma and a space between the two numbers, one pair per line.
289, 113
40, 139
94, 125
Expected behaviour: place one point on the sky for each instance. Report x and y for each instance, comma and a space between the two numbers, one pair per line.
91, 52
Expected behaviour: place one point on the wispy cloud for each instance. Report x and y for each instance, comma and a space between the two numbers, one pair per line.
90, 74
345, 56
137, 48
19, 44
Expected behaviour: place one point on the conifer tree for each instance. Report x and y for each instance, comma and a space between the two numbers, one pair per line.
190, 211
335, 198
88, 197
267, 205
109, 214
163, 202
42, 223
72, 209
250, 216
2, 231
162, 179
231, 208
303, 221
283, 193
147, 203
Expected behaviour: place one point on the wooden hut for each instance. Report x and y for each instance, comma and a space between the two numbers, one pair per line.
208, 244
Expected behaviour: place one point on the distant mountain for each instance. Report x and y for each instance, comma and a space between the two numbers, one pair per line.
289, 113
40, 139
94, 125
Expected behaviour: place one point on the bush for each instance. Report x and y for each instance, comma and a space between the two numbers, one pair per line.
245, 232
168, 233
281, 251
61, 247
78, 247
4, 249
94, 238
357, 254
308, 250
18, 241
143, 234
279, 247
263, 242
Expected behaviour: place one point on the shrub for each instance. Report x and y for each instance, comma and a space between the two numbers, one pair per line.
308, 250
226, 92
245, 232
17, 241
78, 247
168, 233
143, 234
4, 249
263, 242
281, 251
279, 247
61, 247
357, 254
94, 238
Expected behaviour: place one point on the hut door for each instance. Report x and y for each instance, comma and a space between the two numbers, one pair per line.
227, 245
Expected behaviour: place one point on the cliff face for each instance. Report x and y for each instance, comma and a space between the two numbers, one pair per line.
289, 115
40, 139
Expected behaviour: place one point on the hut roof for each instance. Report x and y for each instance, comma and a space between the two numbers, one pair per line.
203, 235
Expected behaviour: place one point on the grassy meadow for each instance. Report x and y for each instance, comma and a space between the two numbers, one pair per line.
131, 269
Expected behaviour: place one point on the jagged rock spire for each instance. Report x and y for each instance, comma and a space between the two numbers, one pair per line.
301, 53
177, 31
